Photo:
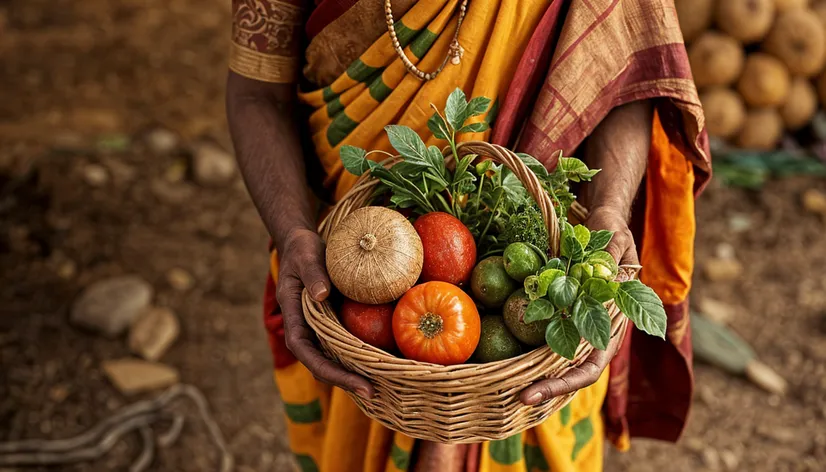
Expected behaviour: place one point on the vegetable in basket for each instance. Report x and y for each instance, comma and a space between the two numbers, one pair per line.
436, 322
569, 294
374, 255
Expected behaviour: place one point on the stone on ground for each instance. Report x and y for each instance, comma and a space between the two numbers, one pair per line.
132, 376
153, 333
110, 306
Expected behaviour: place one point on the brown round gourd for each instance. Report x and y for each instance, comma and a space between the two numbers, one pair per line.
783, 5
764, 82
374, 255
724, 111
798, 38
716, 59
745, 20
695, 17
761, 130
801, 104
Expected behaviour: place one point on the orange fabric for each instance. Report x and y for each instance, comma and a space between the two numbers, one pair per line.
667, 254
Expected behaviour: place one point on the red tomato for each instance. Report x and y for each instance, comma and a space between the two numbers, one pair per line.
449, 249
436, 322
370, 323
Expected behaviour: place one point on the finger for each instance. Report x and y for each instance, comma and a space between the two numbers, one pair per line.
313, 272
577, 378
299, 338
630, 256
623, 249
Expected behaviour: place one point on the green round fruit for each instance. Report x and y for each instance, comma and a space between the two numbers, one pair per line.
490, 284
496, 342
582, 271
532, 334
521, 261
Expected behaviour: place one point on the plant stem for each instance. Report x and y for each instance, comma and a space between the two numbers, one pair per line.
444, 204
479, 193
492, 214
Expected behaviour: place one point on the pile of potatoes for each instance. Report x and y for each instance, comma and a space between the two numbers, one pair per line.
759, 65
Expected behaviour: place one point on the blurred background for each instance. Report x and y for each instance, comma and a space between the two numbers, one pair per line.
119, 195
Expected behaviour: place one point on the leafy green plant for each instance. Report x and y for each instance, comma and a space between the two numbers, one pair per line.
571, 292
489, 199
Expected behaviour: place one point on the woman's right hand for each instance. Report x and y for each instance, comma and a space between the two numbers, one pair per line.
301, 264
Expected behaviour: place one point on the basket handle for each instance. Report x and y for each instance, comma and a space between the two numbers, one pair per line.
531, 182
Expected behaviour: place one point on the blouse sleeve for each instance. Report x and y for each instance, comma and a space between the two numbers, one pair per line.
266, 39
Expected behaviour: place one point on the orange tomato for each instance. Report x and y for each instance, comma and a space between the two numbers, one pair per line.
436, 322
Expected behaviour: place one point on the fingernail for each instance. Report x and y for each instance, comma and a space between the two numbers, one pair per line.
535, 398
318, 290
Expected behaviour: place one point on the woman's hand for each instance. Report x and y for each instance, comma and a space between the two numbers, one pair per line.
302, 265
623, 249
270, 157
618, 146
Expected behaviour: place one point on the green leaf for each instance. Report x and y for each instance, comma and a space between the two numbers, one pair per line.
461, 173
546, 277
354, 159
533, 164
571, 247
593, 322
562, 337
642, 306
605, 259
539, 310
563, 290
514, 189
555, 263
436, 160
477, 106
436, 124
583, 235
599, 240
531, 285
474, 128
402, 200
408, 144
598, 289
575, 170
455, 109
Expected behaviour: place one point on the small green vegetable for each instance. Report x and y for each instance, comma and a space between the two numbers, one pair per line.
521, 261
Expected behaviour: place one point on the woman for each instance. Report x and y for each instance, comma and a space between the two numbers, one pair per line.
606, 79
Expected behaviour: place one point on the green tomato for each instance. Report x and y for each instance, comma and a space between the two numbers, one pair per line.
582, 271
521, 261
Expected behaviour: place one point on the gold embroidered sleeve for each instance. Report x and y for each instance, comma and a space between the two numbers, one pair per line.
266, 39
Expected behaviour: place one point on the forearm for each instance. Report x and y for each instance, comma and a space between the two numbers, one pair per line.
265, 135
619, 146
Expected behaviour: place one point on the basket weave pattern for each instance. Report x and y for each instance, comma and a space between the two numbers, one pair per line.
459, 403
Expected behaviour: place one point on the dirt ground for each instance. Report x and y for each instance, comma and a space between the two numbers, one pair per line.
81, 84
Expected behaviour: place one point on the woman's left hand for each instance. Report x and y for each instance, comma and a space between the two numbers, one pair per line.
623, 249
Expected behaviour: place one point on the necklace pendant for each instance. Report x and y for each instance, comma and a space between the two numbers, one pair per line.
457, 51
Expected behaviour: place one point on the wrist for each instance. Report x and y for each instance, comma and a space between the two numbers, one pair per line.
288, 237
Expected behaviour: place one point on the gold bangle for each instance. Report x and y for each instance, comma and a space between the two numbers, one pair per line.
264, 67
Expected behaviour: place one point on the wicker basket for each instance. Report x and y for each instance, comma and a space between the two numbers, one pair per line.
458, 403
